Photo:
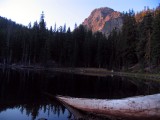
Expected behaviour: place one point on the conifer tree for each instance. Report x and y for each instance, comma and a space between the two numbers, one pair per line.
129, 32
144, 44
155, 43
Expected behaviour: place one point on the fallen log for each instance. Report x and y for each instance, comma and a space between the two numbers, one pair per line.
132, 108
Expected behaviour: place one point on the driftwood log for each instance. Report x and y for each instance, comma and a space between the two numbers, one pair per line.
132, 108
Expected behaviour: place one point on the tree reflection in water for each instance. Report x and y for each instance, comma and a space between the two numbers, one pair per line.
24, 90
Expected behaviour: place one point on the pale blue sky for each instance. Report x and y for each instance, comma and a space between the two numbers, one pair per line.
64, 11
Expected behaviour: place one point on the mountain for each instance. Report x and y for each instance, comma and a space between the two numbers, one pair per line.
104, 19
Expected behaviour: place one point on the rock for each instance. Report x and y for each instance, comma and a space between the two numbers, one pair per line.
104, 20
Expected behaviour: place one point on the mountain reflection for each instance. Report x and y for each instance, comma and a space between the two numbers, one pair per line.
24, 90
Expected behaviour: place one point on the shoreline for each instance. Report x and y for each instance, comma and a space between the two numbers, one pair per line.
102, 72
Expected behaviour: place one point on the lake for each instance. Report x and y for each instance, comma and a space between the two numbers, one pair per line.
23, 92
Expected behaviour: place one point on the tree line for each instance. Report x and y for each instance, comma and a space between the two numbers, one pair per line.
137, 43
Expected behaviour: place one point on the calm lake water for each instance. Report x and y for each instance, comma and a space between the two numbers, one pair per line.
22, 93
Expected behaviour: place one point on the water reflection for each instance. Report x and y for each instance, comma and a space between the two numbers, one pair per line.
22, 113
22, 92
30, 110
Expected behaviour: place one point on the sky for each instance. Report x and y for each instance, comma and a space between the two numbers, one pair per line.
62, 12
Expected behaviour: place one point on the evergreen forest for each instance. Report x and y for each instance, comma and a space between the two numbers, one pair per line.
136, 44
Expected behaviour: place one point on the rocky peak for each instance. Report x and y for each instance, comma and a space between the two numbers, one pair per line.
103, 19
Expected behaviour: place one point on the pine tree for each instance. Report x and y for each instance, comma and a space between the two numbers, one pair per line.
43, 39
144, 44
129, 32
155, 43
87, 49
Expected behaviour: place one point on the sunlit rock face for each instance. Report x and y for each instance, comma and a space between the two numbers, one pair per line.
104, 20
